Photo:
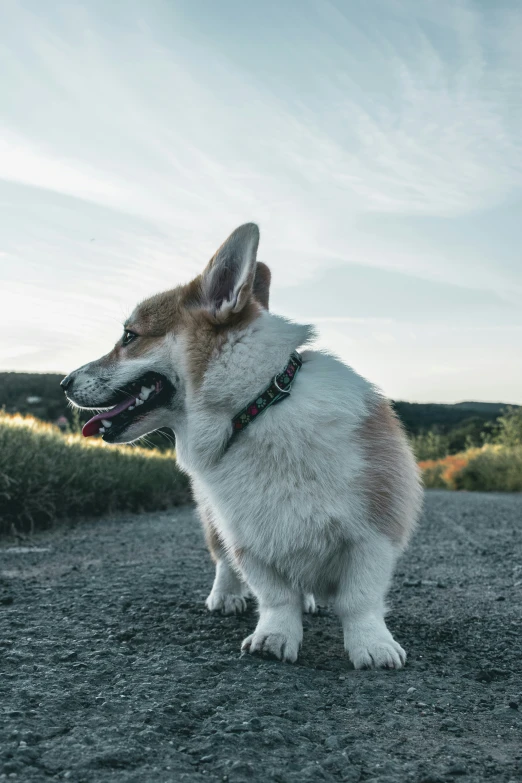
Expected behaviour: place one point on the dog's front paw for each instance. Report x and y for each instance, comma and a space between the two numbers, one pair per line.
309, 605
226, 603
280, 645
377, 654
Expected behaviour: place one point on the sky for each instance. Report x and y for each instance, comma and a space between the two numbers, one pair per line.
378, 145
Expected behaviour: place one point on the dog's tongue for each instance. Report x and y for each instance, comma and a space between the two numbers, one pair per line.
92, 427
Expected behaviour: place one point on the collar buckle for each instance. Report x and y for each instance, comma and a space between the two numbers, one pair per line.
284, 391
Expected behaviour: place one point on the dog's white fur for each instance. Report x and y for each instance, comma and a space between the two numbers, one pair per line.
289, 500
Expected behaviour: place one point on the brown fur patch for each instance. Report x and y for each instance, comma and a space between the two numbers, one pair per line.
180, 310
389, 478
165, 312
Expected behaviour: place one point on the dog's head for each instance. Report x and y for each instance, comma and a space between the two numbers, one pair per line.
168, 341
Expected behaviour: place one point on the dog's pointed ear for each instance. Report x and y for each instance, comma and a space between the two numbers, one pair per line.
262, 284
228, 281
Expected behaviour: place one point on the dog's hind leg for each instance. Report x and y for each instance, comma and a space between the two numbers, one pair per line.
359, 603
229, 592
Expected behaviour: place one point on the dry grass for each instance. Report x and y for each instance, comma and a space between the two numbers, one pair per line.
45, 475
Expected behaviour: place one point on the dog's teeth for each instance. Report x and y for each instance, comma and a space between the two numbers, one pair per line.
151, 388
106, 423
101, 430
131, 407
145, 392
138, 401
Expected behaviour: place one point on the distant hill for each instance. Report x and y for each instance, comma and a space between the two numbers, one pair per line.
418, 417
40, 394
482, 407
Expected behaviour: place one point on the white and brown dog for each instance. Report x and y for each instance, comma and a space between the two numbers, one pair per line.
316, 497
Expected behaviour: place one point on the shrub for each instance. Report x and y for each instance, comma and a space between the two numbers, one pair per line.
493, 469
432, 475
509, 425
429, 445
488, 469
443, 472
45, 474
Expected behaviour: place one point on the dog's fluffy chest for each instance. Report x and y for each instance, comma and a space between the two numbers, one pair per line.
288, 487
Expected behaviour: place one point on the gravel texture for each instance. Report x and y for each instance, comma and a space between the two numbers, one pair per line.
111, 669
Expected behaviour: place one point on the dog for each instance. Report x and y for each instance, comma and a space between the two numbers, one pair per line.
303, 476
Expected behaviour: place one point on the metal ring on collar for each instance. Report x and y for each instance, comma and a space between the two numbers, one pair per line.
285, 391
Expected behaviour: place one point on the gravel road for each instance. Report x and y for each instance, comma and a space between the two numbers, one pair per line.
111, 669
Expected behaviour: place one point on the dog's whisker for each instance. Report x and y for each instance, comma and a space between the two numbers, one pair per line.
168, 438
119, 390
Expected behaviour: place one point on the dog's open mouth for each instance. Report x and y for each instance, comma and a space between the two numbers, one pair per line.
137, 400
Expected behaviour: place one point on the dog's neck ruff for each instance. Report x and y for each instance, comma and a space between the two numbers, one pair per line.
279, 389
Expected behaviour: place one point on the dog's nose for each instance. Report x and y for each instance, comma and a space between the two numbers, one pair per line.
67, 381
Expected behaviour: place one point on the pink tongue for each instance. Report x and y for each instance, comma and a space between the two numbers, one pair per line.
92, 426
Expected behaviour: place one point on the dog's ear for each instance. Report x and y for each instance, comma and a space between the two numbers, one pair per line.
262, 284
228, 281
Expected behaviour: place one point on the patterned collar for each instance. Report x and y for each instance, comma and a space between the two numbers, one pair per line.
278, 390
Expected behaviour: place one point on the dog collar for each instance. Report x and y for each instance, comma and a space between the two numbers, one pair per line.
278, 390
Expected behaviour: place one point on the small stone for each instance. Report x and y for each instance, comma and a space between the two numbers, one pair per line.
332, 742
70, 656
448, 725
411, 690
10, 767
206, 759
457, 769
243, 767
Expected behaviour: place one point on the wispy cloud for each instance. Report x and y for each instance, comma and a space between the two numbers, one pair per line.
131, 142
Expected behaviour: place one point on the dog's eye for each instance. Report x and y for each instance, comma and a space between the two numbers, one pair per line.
128, 337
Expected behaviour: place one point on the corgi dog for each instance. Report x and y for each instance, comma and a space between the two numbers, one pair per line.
313, 500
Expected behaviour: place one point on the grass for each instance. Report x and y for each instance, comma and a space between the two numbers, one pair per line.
492, 468
45, 475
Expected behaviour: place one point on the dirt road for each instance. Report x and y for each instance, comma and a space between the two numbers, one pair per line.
112, 670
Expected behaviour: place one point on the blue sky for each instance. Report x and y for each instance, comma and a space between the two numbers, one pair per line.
377, 144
